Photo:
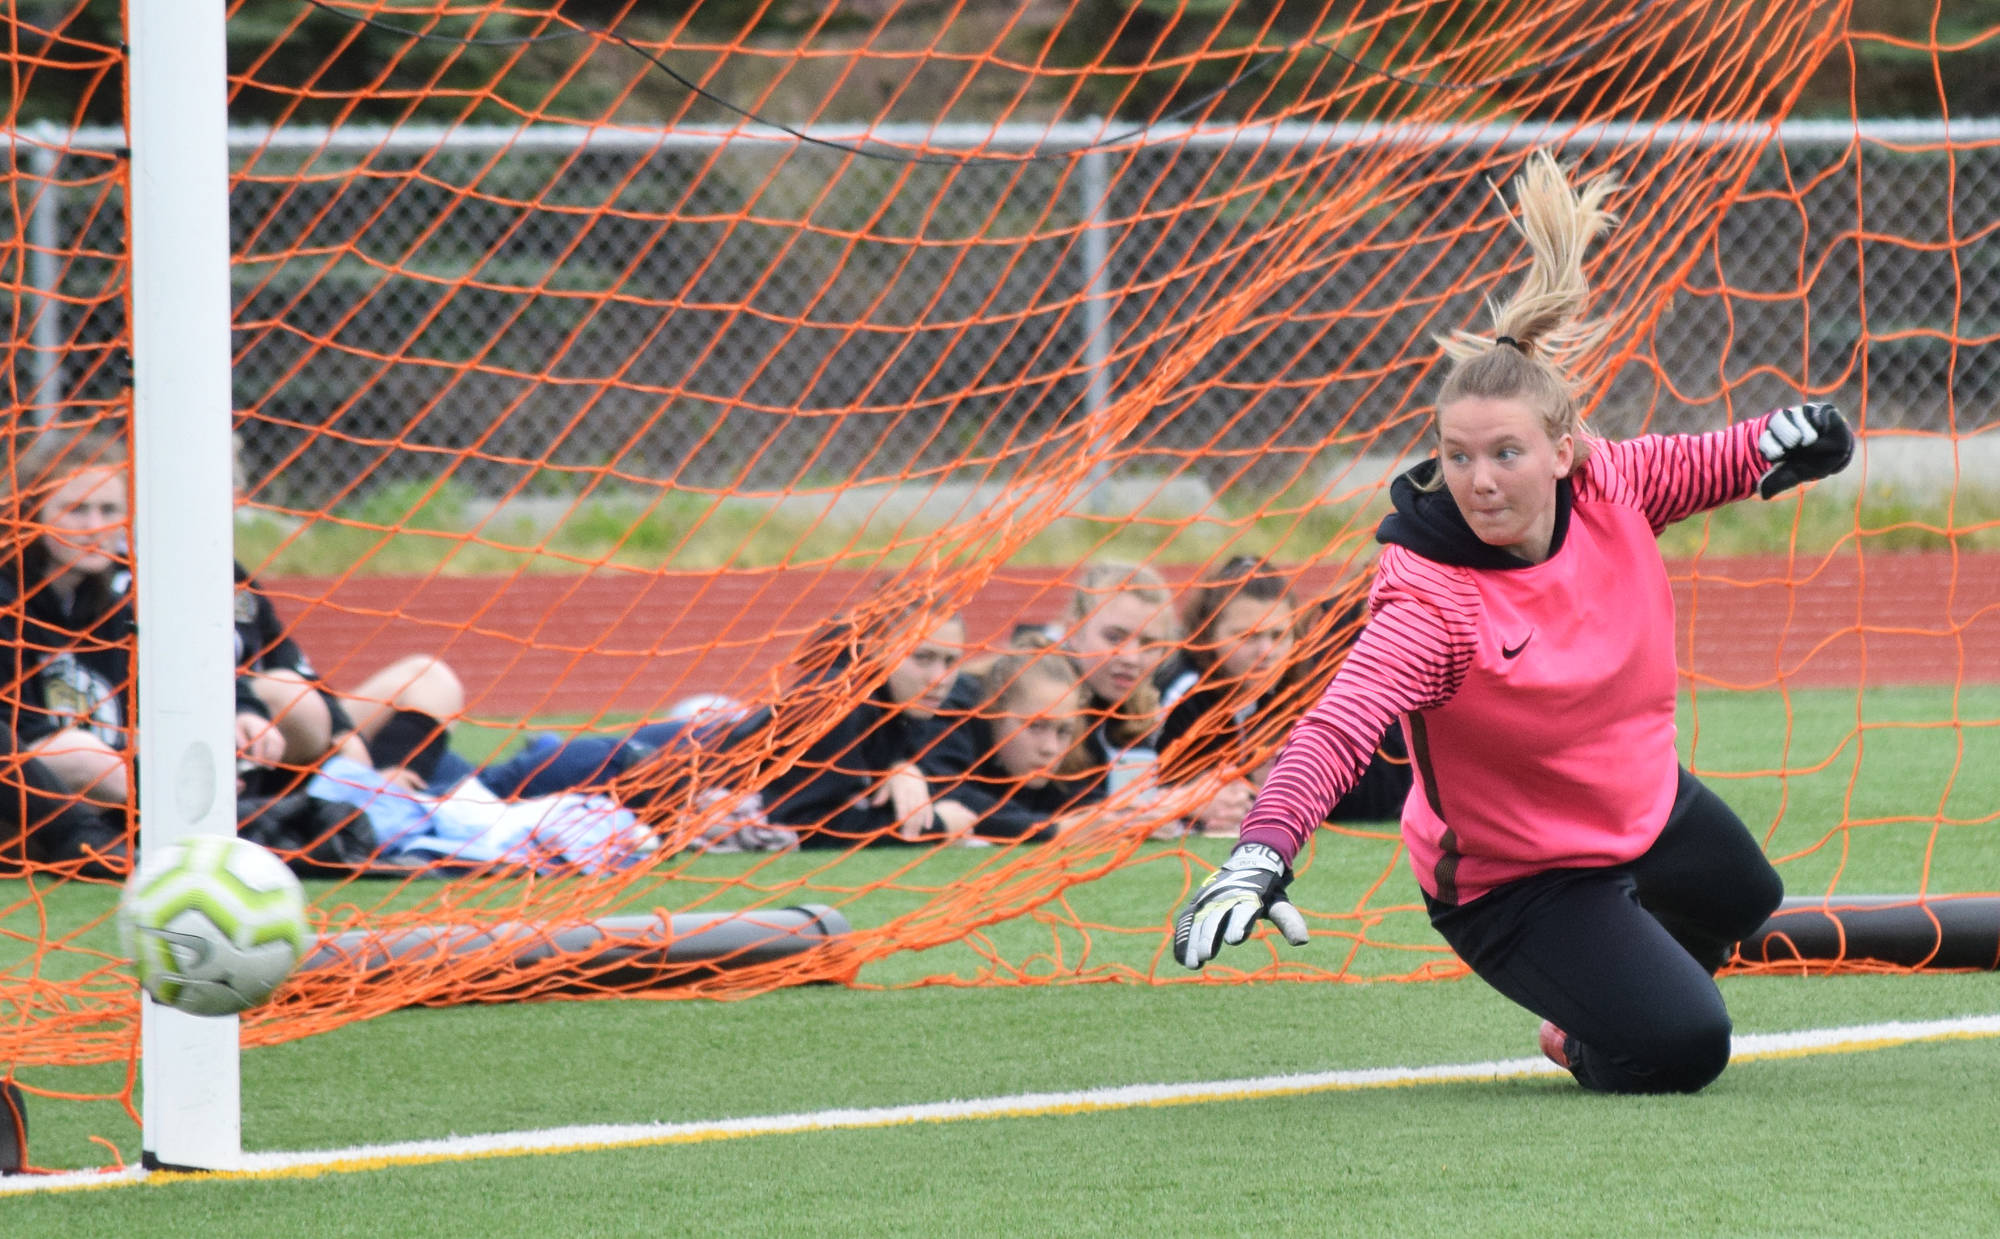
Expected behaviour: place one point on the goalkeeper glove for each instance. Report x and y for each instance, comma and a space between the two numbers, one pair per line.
1250, 884
1802, 443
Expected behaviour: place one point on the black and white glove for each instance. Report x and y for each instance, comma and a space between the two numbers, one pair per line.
1250, 884
1803, 443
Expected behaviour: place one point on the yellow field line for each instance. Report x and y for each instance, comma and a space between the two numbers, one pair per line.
1748, 1048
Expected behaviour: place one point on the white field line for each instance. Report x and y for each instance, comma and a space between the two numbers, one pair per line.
1747, 1048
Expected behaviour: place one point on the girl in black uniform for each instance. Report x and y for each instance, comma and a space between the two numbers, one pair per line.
1253, 661
999, 740
70, 585
1242, 630
1118, 629
859, 783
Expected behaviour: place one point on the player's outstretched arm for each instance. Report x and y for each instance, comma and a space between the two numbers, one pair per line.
1803, 443
1250, 884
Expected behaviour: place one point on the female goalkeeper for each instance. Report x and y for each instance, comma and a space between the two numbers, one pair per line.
1521, 627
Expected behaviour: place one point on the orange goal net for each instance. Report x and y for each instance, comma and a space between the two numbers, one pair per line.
661, 434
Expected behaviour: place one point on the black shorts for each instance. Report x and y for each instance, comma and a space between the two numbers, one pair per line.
1622, 958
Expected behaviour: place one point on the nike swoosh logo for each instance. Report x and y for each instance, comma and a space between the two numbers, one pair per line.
190, 951
1513, 651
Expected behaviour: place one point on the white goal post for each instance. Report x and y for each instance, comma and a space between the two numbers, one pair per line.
181, 523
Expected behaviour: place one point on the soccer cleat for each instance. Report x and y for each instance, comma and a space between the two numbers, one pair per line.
1555, 1045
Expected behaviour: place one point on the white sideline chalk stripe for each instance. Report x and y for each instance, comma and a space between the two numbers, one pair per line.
1750, 1047
1746, 1048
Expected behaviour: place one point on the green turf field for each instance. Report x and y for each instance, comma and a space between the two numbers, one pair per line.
1885, 1141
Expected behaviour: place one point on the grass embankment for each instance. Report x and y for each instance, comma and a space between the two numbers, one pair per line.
425, 528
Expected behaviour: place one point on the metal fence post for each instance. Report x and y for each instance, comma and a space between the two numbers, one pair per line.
1094, 182
44, 273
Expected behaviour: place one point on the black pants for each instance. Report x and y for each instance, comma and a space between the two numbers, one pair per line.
1622, 958
41, 823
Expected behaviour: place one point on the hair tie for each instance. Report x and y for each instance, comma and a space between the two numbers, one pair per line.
1510, 342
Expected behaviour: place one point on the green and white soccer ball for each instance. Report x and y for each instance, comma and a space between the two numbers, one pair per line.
212, 923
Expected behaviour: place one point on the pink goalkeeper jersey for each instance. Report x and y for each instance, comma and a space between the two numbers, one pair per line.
1538, 701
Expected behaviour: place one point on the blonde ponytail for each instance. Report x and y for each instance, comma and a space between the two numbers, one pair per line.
1542, 333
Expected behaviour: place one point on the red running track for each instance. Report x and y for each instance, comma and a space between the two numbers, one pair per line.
630, 643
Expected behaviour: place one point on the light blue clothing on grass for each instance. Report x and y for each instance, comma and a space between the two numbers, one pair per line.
469, 825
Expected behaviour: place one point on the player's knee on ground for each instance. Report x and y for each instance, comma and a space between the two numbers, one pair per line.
1676, 1056
1697, 1058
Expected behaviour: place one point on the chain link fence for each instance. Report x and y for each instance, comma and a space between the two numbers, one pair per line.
538, 311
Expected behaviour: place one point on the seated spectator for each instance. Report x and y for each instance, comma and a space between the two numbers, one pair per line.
856, 783
71, 628
1254, 661
413, 698
1243, 628
998, 742
73, 655
418, 694
1118, 628
859, 782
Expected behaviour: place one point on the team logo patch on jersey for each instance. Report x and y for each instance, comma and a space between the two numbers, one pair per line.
85, 699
